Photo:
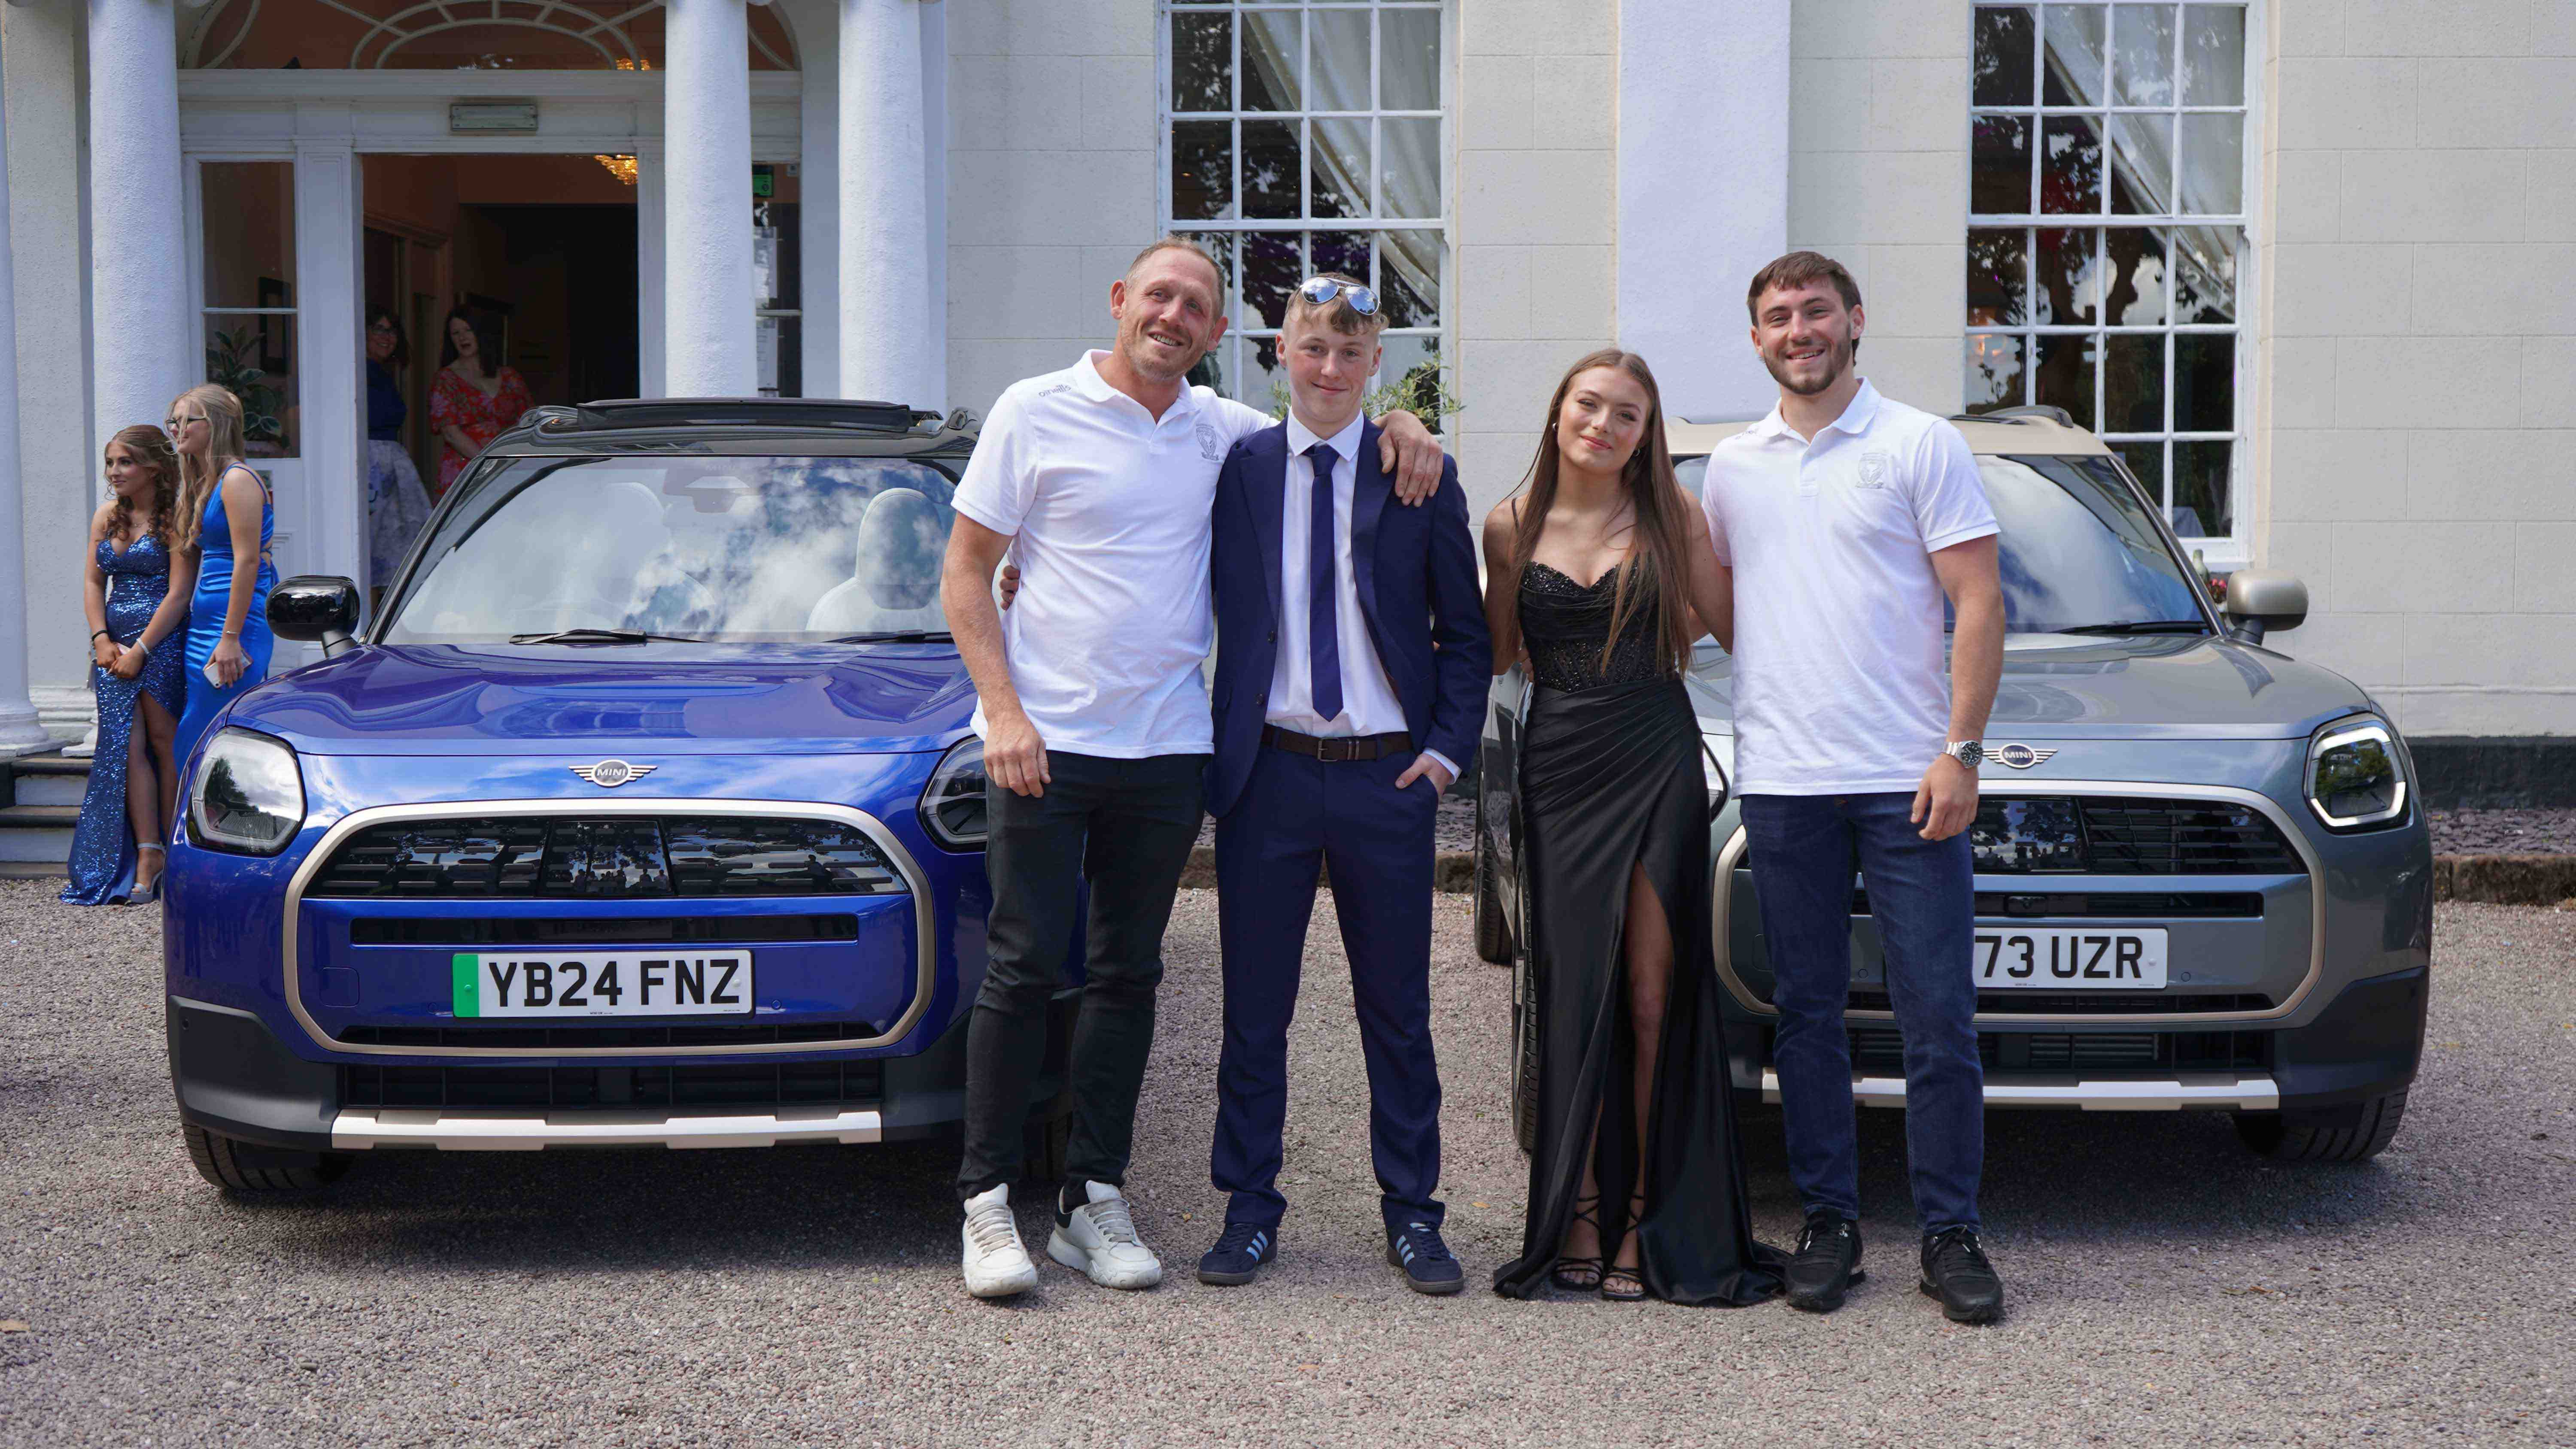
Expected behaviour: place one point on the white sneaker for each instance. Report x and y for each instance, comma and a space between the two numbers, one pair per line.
996, 1265
1100, 1239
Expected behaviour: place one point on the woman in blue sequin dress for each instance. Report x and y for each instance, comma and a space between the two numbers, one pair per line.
226, 519
136, 609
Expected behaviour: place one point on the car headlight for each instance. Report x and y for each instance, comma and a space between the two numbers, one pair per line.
2356, 776
952, 804
248, 795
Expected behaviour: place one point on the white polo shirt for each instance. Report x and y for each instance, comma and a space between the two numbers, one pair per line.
1108, 507
1842, 681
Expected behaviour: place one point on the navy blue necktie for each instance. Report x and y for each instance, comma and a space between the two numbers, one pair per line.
1323, 591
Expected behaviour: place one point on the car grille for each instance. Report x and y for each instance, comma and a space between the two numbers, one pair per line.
624, 857
2086, 1003
551, 1088
1880, 1051
2092, 835
597, 930
600, 1037
2123, 905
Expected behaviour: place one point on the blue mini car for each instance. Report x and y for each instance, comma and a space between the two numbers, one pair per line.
644, 812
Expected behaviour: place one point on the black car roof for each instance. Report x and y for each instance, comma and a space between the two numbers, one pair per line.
829, 427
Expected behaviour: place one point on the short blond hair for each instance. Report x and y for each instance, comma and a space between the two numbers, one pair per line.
1174, 242
1337, 314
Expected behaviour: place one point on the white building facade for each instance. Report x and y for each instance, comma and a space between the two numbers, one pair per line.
2309, 264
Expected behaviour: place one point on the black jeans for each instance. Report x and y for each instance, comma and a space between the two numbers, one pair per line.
1125, 828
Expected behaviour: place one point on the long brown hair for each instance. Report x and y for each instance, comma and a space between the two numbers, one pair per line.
223, 449
1658, 556
151, 447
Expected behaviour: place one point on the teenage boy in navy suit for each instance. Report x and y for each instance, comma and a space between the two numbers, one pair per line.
1351, 671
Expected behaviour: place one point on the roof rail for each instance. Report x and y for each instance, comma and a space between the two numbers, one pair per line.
2049, 412
678, 412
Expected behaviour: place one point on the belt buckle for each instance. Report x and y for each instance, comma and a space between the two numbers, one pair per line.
1333, 750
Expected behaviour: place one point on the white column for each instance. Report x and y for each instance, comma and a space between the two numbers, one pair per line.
19, 730
652, 259
885, 236
330, 325
1703, 191
144, 337
817, 27
706, 201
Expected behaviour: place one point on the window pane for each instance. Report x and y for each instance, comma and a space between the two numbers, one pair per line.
2141, 165
1202, 62
1408, 60
2070, 165
1202, 169
2003, 60
2204, 382
2213, 55
1408, 169
2074, 36
1220, 245
1998, 277
1341, 168
1991, 372
2213, 165
1216, 370
2134, 296
1265, 379
2147, 460
1273, 265
2202, 507
255, 357
1273, 169
1999, 174
1271, 58
1410, 368
250, 233
2142, 58
1338, 65
1408, 277
2064, 375
2205, 273
1346, 252
2070, 285
2133, 384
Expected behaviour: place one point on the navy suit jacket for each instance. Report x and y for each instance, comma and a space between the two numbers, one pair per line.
1416, 572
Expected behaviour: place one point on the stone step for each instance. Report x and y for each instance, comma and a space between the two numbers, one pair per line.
33, 870
37, 833
46, 780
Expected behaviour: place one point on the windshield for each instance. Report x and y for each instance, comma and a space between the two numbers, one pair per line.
757, 549
2077, 550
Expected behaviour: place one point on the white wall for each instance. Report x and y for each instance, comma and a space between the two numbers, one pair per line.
2419, 251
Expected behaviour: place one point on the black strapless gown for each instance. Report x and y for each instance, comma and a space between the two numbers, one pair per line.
1611, 779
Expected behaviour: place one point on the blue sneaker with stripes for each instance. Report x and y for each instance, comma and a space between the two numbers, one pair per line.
1238, 1255
1426, 1261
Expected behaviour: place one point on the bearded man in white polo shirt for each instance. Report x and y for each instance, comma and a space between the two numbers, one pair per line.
1847, 518
1098, 481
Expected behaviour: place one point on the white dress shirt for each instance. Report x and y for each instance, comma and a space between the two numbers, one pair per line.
1369, 705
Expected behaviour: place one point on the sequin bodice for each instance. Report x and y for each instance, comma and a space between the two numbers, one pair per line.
138, 576
1564, 623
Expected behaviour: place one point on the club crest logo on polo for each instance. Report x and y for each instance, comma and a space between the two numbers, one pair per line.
1211, 445
1875, 469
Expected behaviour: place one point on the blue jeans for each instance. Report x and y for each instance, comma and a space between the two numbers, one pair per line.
1922, 895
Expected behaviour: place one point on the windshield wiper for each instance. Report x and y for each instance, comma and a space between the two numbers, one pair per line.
603, 636
898, 636
2141, 626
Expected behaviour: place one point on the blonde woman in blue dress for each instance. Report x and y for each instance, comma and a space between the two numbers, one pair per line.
226, 519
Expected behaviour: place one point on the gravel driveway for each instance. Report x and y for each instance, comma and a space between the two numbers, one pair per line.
2166, 1287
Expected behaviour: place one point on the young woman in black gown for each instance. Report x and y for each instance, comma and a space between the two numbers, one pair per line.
1599, 575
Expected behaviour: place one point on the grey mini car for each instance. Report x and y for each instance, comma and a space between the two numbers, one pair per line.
2203, 880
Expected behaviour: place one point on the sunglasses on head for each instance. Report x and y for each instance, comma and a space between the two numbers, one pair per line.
1320, 290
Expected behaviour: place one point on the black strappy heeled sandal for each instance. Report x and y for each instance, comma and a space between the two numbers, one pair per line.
1581, 1275
1630, 1283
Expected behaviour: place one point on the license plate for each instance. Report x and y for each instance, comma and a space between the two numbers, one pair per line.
2058, 958
602, 983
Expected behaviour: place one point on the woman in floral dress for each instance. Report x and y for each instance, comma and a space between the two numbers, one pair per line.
474, 397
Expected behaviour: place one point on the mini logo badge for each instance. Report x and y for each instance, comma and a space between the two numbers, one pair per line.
1211, 447
2022, 757
1875, 468
609, 774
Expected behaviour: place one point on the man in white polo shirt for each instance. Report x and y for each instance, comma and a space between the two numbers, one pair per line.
1098, 481
1847, 518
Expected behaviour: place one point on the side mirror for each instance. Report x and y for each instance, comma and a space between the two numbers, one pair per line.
315, 609
2261, 600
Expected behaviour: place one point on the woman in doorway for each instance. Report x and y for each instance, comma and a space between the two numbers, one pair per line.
136, 597
226, 519
397, 505
1596, 573
474, 396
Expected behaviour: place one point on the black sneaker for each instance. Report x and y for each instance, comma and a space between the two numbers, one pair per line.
1826, 1264
1955, 1271
1238, 1255
1426, 1261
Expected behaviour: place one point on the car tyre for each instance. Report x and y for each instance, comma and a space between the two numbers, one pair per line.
248, 1169
1493, 930
1045, 1147
2306, 1137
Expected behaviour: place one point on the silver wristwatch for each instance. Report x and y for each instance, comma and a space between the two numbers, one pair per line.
1970, 753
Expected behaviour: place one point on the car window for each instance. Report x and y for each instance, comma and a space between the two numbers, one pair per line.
734, 549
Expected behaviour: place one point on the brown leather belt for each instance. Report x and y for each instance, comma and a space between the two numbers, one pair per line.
1336, 751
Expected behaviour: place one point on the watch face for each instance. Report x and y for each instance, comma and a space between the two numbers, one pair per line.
1971, 753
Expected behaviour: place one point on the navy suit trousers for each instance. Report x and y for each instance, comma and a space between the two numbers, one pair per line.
1299, 817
